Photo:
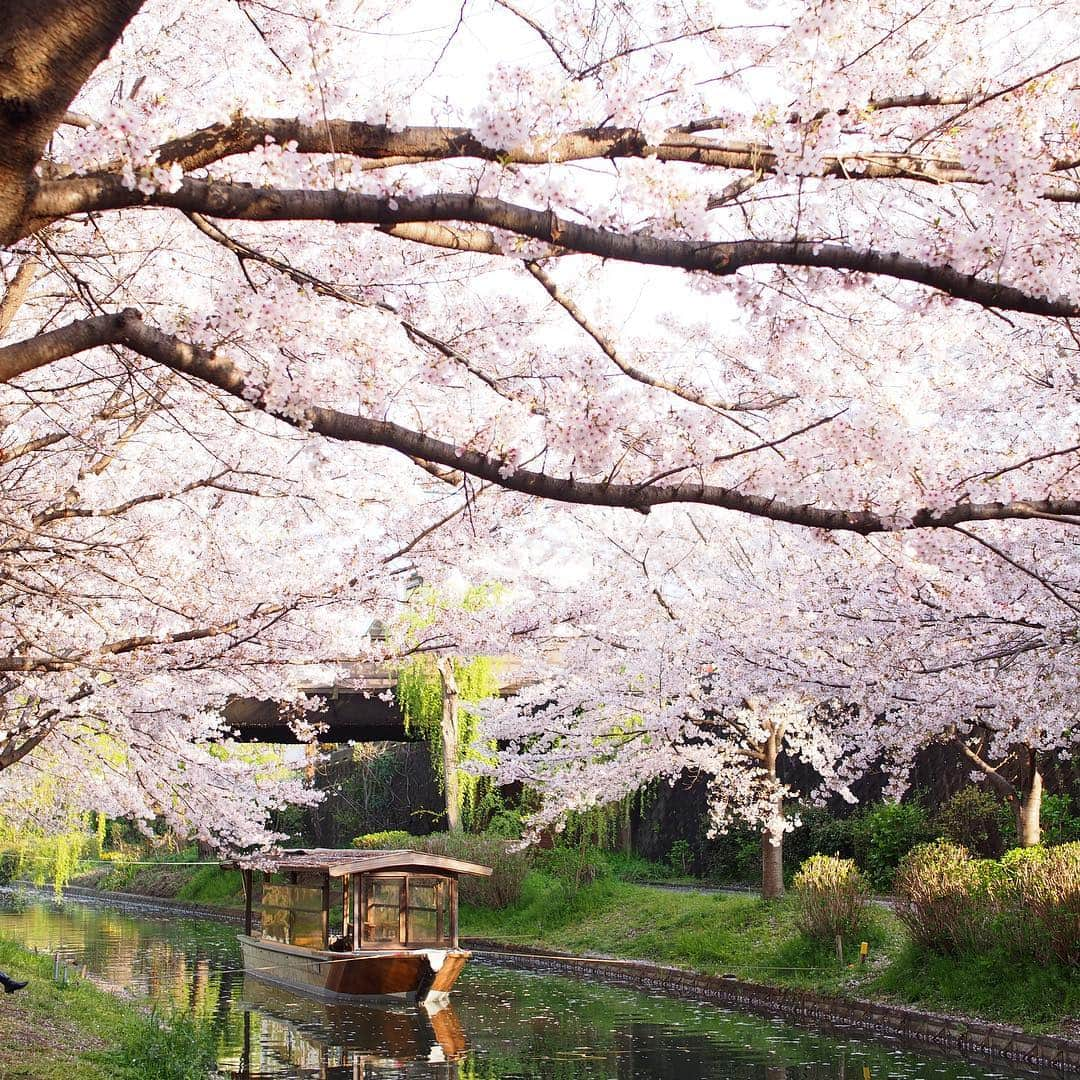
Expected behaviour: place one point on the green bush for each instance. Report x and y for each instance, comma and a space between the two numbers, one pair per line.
393, 839
576, 865
508, 867
831, 897
975, 818
1060, 819
947, 900
681, 857
1043, 896
883, 835
734, 857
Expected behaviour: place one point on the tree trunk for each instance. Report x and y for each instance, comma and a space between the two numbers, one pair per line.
448, 726
49, 49
772, 836
625, 840
772, 863
1029, 804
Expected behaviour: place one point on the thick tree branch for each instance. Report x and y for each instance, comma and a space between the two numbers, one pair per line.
375, 142
58, 199
128, 329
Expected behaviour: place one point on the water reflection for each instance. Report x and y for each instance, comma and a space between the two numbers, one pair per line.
503, 1025
335, 1040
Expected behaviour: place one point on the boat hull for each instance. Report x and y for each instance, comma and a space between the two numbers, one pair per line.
426, 974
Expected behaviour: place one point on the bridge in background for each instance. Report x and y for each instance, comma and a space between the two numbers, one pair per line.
358, 708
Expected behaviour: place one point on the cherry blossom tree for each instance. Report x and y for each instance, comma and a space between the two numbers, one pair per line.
811, 262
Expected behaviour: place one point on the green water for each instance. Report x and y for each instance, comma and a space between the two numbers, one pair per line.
501, 1024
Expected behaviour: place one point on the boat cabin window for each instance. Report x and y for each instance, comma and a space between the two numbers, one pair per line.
407, 909
294, 915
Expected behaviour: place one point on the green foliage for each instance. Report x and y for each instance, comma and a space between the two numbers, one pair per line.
820, 832
680, 857
1060, 819
1026, 906
831, 897
975, 818
213, 885
945, 898
883, 835
27, 851
1042, 903
735, 857
162, 1047
390, 840
990, 984
419, 696
576, 865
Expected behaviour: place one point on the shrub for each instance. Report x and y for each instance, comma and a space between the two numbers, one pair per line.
509, 868
831, 897
681, 857
884, 835
392, 839
576, 865
977, 819
1060, 820
946, 899
1044, 902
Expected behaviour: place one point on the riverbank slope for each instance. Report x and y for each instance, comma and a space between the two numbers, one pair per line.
54, 1030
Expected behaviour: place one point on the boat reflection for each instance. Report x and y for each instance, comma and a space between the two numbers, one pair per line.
335, 1040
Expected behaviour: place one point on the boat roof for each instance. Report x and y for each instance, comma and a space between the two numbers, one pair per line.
341, 861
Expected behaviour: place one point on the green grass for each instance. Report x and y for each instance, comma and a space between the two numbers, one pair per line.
1031, 994
707, 932
760, 941
78, 1032
212, 885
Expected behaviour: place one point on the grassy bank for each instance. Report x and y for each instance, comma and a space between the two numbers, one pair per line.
78, 1032
761, 942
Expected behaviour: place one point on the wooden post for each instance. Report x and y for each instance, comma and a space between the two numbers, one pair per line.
346, 921
453, 912
249, 885
326, 910
357, 911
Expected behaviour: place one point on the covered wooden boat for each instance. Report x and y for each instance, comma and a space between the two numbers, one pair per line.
357, 924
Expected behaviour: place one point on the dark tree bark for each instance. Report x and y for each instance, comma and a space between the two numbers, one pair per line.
127, 328
48, 49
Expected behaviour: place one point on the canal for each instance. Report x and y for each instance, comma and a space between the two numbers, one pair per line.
502, 1024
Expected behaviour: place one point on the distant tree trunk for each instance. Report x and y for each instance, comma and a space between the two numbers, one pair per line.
448, 727
1028, 804
772, 836
1024, 797
625, 839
